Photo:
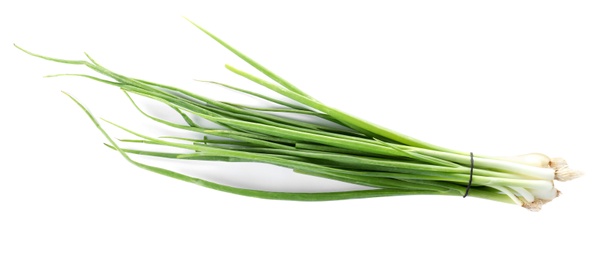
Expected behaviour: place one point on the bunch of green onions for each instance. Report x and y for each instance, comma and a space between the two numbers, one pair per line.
346, 148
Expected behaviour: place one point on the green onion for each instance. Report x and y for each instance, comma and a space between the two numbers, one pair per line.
344, 148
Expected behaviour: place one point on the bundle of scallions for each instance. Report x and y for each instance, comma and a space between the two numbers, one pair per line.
346, 149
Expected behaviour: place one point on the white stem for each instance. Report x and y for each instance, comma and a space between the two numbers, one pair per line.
532, 159
510, 194
545, 194
524, 193
529, 184
505, 166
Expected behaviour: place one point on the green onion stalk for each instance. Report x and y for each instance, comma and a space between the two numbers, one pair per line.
343, 147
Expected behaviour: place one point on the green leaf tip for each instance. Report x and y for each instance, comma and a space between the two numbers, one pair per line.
253, 63
77, 62
71, 97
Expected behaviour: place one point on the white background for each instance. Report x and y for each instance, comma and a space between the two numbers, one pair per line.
494, 77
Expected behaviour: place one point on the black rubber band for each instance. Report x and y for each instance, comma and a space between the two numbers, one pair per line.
470, 180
